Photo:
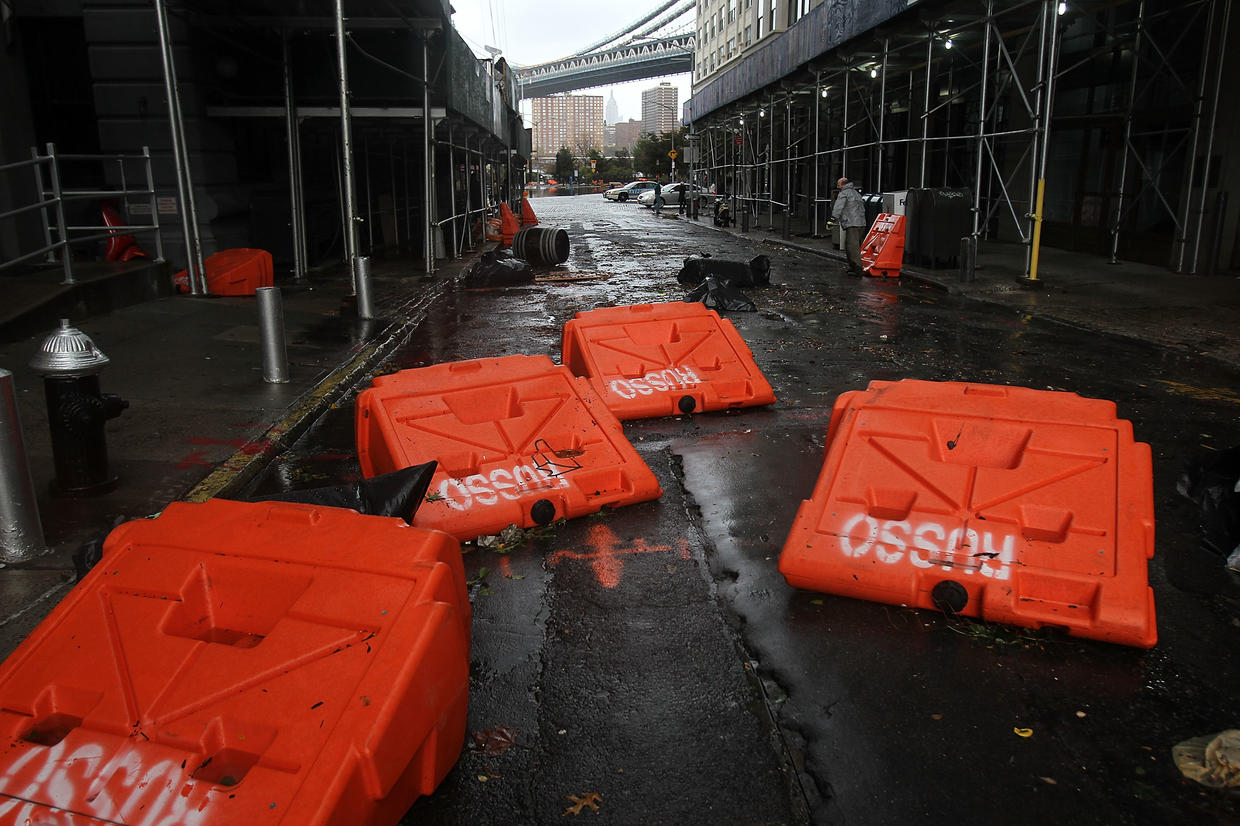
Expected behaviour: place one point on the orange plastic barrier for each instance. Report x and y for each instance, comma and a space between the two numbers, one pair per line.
1020, 506
528, 218
518, 441
233, 272
882, 254
508, 225
648, 360
243, 663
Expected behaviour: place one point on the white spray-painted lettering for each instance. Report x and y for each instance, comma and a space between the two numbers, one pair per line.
501, 483
661, 381
928, 544
125, 787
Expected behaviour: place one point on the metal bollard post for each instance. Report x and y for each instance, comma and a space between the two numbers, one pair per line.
968, 258
745, 220
21, 532
271, 334
365, 309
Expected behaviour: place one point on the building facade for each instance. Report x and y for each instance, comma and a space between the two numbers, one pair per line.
627, 134
1091, 125
571, 121
727, 28
660, 112
259, 97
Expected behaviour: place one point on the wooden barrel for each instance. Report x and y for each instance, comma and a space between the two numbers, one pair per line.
541, 245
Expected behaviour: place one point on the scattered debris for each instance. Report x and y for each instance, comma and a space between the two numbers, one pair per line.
495, 741
1022, 732
571, 277
503, 542
754, 273
720, 297
590, 799
1211, 479
398, 493
498, 268
1212, 760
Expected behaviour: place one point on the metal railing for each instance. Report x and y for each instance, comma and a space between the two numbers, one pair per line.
58, 235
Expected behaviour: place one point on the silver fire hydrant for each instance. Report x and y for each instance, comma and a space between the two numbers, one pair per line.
70, 364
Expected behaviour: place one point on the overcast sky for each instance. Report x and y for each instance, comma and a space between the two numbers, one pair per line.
536, 31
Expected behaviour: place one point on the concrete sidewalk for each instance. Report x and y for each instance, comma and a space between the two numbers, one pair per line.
1195, 314
201, 421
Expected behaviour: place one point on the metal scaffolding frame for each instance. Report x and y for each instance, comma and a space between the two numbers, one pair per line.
972, 103
373, 152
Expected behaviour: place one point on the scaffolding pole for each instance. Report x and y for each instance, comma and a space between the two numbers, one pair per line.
180, 158
981, 122
348, 189
428, 159
1127, 145
1218, 85
297, 222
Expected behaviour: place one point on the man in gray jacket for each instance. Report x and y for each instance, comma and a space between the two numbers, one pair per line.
849, 212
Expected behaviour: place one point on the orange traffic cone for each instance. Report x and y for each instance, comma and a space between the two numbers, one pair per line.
528, 218
508, 225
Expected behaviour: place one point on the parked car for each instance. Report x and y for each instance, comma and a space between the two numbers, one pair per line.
629, 190
672, 193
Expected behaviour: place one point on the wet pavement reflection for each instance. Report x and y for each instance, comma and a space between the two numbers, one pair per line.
654, 655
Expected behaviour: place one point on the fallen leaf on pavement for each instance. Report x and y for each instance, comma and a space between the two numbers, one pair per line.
495, 741
591, 799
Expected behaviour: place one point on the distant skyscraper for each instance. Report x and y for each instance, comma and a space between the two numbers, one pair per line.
659, 110
613, 110
573, 121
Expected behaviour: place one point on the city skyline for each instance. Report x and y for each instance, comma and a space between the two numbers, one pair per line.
523, 41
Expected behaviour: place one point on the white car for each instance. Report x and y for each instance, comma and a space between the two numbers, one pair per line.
629, 190
672, 193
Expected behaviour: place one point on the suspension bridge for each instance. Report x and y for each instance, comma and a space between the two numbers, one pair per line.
660, 43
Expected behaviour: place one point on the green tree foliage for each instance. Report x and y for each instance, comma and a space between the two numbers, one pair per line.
564, 164
615, 169
650, 154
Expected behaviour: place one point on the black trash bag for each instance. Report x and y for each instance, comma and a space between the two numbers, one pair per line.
721, 297
755, 273
498, 268
398, 493
1210, 480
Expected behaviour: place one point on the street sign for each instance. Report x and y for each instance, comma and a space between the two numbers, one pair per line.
672, 154
593, 164
738, 140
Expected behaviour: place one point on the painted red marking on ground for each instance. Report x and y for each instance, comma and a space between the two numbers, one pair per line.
505, 567
195, 459
203, 440
607, 559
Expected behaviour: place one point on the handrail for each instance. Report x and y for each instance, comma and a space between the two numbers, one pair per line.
58, 235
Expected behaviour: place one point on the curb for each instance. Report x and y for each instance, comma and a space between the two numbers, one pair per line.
234, 473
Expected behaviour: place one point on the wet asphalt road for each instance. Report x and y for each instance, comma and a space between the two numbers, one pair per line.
654, 656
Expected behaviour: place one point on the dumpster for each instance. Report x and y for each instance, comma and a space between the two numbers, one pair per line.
942, 216
893, 202
873, 208
912, 225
